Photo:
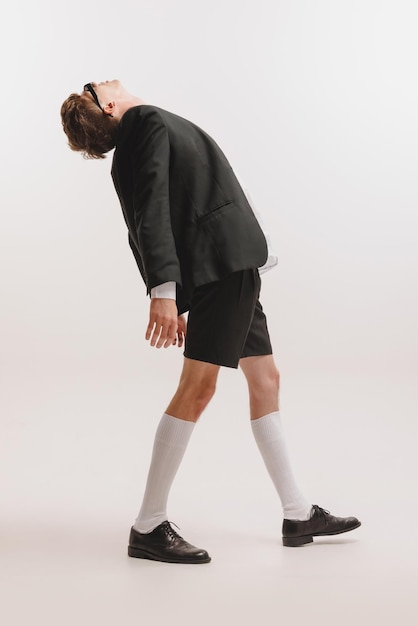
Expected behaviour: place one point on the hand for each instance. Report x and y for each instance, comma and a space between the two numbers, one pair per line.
163, 322
181, 331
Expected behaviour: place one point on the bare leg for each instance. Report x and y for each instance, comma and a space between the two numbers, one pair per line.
263, 380
196, 388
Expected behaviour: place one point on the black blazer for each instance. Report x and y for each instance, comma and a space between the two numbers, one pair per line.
188, 218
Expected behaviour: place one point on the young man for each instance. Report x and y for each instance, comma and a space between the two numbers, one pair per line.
199, 248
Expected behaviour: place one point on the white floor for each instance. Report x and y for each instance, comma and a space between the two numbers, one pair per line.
57, 572
72, 476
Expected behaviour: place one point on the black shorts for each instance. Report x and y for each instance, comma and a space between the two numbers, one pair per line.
226, 321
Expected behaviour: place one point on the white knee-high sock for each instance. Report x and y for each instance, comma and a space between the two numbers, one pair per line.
269, 435
170, 444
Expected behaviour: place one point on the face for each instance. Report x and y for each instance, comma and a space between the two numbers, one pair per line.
107, 91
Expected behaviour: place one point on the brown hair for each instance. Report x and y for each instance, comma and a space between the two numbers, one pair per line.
88, 129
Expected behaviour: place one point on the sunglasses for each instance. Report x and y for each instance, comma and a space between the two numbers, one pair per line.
89, 87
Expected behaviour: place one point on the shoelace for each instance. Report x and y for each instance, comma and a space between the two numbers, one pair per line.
321, 511
170, 532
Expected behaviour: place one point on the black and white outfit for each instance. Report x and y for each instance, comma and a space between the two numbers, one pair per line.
195, 237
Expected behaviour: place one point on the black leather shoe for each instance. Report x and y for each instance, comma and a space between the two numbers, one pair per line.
164, 544
321, 523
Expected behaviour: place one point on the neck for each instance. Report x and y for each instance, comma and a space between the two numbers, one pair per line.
125, 105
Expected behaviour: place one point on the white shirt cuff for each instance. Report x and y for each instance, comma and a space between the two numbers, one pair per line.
166, 290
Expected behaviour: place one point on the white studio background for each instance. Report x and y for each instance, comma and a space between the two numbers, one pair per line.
315, 105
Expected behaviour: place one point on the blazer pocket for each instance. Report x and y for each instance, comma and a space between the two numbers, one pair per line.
213, 212
236, 235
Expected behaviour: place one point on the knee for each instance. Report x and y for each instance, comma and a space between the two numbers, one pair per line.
273, 381
204, 394
277, 378
266, 385
197, 395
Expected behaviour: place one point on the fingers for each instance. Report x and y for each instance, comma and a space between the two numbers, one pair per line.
161, 335
167, 337
149, 329
181, 331
179, 340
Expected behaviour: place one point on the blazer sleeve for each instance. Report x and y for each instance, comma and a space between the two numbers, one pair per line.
151, 175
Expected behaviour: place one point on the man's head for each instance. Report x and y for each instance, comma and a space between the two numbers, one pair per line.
90, 119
